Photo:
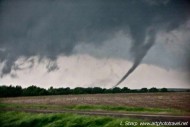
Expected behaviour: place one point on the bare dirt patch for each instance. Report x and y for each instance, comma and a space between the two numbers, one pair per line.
177, 100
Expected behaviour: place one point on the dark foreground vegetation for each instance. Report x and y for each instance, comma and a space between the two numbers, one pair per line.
15, 91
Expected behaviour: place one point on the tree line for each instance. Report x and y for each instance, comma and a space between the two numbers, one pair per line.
15, 91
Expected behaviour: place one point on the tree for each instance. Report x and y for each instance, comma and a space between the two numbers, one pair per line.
51, 91
116, 90
153, 89
18, 91
97, 90
34, 91
125, 90
163, 90
14, 91
10, 91
144, 90
108, 90
78, 90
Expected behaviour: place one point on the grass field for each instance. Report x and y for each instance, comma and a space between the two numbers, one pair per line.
150, 103
20, 119
96, 108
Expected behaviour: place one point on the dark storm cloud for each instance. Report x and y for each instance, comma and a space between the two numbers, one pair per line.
48, 29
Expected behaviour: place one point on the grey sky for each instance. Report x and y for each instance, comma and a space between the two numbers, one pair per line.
115, 28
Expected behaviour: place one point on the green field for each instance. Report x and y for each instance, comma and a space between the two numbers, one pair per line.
21, 119
126, 109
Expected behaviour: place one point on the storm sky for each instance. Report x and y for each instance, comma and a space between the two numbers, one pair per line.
91, 43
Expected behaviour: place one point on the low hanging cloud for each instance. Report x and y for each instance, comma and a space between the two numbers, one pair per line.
49, 29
